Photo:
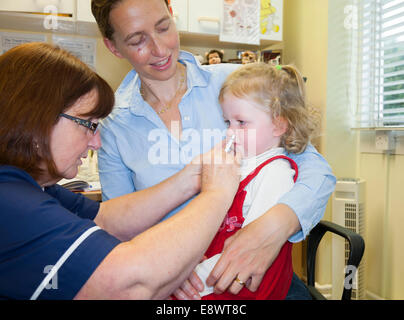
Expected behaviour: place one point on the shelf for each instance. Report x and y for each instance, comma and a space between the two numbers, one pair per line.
379, 129
204, 40
35, 23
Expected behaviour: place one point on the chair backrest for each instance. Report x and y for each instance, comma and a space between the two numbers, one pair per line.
356, 249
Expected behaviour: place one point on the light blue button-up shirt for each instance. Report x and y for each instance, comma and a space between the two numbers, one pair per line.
138, 151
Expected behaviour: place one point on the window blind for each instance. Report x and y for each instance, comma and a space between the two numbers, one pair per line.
381, 57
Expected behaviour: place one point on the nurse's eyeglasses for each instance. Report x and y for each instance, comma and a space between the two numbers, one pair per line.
85, 123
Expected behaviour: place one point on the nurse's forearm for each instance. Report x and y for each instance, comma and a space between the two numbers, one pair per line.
156, 262
128, 215
187, 235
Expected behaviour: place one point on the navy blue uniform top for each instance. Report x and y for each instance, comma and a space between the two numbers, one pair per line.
49, 245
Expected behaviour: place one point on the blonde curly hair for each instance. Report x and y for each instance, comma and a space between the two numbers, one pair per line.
280, 90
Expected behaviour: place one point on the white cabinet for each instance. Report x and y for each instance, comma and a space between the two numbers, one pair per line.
84, 20
63, 6
70, 7
198, 21
204, 16
194, 16
180, 14
75, 16
84, 11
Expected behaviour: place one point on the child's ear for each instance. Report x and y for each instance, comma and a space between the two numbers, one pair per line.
281, 126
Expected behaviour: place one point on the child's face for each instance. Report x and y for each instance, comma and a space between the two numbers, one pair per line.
214, 58
255, 132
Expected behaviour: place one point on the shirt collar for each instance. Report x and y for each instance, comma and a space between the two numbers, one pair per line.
249, 164
128, 94
197, 76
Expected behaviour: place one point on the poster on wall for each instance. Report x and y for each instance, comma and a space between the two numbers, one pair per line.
10, 40
271, 19
84, 49
240, 22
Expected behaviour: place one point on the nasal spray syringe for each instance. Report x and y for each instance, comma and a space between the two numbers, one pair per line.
230, 143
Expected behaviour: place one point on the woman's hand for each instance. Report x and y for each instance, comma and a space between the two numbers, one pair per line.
250, 252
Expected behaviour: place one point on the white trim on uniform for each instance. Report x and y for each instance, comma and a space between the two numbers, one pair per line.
62, 260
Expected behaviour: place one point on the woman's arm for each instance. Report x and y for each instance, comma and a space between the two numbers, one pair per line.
311, 192
128, 215
156, 262
250, 252
115, 176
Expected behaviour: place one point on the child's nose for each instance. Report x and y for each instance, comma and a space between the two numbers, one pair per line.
230, 131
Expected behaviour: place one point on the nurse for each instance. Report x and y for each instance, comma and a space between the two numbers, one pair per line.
59, 245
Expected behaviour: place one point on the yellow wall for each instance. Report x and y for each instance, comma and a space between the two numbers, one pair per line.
393, 273
384, 223
305, 46
307, 24
111, 68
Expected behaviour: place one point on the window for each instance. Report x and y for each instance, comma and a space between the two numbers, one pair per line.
380, 53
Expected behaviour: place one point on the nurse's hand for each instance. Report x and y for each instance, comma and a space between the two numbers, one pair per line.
220, 171
192, 174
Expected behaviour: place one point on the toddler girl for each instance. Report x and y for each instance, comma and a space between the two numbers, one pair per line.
264, 109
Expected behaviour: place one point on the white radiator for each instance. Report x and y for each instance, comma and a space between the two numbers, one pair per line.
348, 210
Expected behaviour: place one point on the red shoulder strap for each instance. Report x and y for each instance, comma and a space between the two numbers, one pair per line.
253, 174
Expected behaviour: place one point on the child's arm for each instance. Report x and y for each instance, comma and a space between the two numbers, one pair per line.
267, 188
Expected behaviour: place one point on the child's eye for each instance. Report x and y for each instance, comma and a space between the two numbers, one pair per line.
227, 123
241, 122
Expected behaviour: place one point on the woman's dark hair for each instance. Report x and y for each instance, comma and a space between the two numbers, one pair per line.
101, 10
39, 81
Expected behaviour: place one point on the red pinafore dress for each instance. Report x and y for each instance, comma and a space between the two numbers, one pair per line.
276, 281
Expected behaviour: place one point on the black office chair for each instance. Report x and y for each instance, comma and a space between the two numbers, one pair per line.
356, 249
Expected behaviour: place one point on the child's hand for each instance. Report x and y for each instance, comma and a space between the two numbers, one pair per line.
190, 289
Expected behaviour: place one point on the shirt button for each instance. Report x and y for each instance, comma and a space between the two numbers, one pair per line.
186, 118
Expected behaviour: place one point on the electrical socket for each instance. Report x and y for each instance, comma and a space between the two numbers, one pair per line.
385, 140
